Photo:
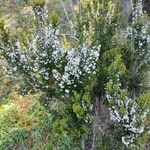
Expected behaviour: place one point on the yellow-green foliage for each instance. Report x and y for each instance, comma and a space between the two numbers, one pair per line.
144, 104
16, 112
77, 108
24, 123
54, 18
144, 101
40, 3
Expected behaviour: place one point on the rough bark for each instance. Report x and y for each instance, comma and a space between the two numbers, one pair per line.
101, 122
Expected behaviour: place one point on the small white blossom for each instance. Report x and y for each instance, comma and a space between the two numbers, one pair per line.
66, 91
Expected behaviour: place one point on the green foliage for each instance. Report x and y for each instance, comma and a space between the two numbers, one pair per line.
94, 25
111, 141
24, 123
57, 120
78, 110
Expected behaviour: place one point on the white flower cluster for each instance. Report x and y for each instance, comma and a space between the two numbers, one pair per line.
52, 45
139, 37
51, 56
138, 32
132, 118
16, 56
137, 10
80, 63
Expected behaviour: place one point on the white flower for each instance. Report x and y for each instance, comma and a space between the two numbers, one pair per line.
124, 141
22, 58
66, 91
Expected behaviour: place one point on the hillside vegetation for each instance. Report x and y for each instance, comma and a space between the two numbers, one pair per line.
74, 75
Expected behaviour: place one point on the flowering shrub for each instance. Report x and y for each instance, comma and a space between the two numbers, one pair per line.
65, 76
45, 64
124, 107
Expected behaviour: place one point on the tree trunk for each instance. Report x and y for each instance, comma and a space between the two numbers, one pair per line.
100, 124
